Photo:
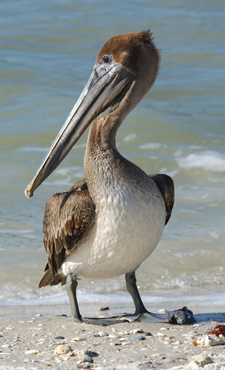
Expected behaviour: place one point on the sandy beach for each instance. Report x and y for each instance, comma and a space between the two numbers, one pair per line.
34, 338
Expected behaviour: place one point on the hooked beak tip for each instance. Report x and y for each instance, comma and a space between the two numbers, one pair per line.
28, 193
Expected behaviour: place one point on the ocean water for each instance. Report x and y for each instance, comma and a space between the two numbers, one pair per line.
47, 54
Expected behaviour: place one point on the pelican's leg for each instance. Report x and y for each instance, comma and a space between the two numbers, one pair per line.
133, 290
181, 316
71, 282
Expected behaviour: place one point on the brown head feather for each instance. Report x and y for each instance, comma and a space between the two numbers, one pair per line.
127, 49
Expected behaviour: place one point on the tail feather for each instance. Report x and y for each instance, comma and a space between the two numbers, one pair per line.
46, 280
49, 279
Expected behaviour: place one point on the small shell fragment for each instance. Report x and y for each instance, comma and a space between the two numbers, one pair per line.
62, 349
103, 334
78, 339
202, 359
160, 335
114, 336
125, 332
31, 352
136, 331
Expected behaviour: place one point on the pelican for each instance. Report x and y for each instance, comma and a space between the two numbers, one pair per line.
109, 223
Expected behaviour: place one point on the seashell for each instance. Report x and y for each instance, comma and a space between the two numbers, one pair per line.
62, 349
136, 331
31, 352
206, 340
78, 339
160, 335
114, 336
125, 332
202, 359
103, 334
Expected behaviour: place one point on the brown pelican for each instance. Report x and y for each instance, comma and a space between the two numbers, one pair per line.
109, 223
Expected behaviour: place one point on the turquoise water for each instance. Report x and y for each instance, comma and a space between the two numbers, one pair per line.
47, 53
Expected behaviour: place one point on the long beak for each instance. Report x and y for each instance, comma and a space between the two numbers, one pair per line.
107, 83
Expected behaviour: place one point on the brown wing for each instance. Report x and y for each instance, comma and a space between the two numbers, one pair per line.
67, 217
166, 187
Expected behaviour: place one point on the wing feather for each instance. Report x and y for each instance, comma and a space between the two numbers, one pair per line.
166, 187
67, 217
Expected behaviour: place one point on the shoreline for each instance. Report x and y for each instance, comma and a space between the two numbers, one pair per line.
34, 337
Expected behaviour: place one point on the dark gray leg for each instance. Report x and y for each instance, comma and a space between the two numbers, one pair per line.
71, 283
181, 316
133, 290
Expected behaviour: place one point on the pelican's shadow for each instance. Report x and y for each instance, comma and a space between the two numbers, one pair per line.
207, 317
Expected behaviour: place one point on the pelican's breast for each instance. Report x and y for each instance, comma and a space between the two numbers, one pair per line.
129, 224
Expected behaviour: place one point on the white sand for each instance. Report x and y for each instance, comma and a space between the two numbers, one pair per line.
30, 339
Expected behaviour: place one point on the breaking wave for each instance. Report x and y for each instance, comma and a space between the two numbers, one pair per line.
207, 160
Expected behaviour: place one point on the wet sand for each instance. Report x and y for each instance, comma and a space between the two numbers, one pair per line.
35, 338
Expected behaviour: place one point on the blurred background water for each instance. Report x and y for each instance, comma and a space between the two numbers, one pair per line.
47, 52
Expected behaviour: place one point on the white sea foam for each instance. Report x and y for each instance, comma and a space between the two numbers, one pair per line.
130, 137
64, 171
65, 182
16, 231
150, 146
68, 176
199, 303
33, 149
207, 160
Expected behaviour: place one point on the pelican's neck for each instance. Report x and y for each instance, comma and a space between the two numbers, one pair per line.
107, 172
101, 143
104, 166
103, 162
102, 134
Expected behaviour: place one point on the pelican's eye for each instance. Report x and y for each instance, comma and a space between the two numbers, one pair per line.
106, 59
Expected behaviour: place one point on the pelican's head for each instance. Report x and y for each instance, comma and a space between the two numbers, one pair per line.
136, 53
126, 67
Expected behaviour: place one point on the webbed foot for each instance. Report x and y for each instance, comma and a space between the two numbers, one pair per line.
183, 316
